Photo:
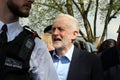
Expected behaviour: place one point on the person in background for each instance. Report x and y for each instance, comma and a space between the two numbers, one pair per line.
111, 61
83, 45
47, 38
91, 47
23, 56
48, 29
70, 62
108, 43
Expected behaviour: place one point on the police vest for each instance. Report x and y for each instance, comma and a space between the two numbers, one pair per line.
15, 56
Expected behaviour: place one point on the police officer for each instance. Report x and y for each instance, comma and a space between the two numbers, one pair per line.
21, 58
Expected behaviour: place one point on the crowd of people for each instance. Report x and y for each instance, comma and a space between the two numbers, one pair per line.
26, 56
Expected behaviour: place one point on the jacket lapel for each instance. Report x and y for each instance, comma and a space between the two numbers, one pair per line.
74, 65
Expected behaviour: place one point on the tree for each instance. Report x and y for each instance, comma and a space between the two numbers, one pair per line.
112, 9
45, 11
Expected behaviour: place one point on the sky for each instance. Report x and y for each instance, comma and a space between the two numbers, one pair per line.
113, 27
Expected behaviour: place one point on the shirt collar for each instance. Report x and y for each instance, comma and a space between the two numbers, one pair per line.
68, 54
11, 26
1, 24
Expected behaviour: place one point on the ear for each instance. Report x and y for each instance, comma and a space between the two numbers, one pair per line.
75, 34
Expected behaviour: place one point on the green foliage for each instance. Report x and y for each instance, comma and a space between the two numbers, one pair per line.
43, 13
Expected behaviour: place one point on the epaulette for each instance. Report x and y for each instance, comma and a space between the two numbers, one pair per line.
31, 30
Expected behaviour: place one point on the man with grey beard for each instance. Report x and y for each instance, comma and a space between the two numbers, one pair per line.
70, 62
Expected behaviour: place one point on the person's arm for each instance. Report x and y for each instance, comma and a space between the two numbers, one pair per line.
41, 63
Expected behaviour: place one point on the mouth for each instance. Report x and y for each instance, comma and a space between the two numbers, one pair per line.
27, 6
57, 39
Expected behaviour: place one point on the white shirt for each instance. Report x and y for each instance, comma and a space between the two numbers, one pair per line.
41, 63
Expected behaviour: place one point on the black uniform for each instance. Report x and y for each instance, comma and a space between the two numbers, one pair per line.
15, 55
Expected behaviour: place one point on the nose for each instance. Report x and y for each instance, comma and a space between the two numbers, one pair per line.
55, 32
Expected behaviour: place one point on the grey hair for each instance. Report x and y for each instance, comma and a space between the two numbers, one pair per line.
73, 22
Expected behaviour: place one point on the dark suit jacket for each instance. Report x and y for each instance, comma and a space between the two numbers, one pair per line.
84, 66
